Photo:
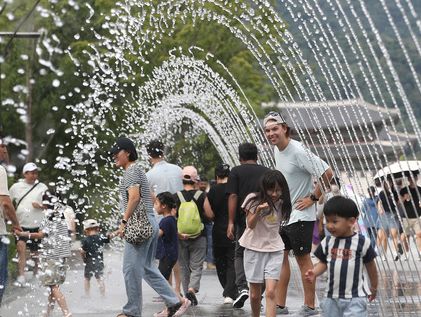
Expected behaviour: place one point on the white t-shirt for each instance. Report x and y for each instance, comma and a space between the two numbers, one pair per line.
165, 177
28, 216
3, 192
299, 166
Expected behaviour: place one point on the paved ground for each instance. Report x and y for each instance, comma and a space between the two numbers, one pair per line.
399, 292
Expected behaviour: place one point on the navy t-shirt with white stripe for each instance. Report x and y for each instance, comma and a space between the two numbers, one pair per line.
345, 259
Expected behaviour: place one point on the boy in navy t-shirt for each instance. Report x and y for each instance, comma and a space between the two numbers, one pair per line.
167, 250
344, 254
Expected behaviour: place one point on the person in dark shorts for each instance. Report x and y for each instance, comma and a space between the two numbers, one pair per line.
300, 167
92, 254
243, 180
167, 250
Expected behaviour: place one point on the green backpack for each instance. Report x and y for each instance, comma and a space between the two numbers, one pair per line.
189, 221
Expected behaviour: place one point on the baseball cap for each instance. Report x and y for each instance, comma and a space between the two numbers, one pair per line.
29, 167
90, 223
123, 143
190, 173
274, 116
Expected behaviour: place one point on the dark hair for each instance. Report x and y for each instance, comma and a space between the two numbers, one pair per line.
371, 191
188, 182
167, 199
222, 171
247, 152
341, 206
268, 181
203, 179
155, 149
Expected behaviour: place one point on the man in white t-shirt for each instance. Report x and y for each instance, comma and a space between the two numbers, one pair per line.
7, 212
27, 196
299, 166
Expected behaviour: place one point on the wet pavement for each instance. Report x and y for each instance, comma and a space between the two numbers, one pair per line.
399, 293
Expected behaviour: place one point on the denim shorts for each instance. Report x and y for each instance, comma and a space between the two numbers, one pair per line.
350, 307
388, 221
261, 266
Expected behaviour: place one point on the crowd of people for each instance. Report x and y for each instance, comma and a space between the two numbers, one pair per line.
247, 226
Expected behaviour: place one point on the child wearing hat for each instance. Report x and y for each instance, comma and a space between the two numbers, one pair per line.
92, 254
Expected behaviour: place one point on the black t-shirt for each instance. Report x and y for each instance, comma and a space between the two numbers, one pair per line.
218, 199
93, 246
188, 196
243, 180
168, 243
411, 212
388, 200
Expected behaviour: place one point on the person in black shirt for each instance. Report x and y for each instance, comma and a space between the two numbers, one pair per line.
223, 248
192, 249
92, 254
411, 221
243, 180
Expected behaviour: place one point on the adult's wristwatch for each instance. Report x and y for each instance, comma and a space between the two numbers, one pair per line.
313, 197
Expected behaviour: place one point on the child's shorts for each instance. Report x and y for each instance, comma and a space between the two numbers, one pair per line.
53, 272
261, 266
356, 306
165, 267
94, 269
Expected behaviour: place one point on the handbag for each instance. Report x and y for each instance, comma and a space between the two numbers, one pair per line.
138, 227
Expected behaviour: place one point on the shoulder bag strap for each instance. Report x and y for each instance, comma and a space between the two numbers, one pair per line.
197, 195
26, 195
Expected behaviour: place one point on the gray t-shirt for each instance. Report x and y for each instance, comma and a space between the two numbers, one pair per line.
3, 192
165, 177
299, 166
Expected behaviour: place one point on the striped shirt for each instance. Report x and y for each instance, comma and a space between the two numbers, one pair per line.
135, 176
56, 242
345, 259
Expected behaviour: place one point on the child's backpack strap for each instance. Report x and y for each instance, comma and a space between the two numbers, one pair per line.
197, 195
181, 197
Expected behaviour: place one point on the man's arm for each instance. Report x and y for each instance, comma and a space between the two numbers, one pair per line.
232, 209
324, 181
9, 211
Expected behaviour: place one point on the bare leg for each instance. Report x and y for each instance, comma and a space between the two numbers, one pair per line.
255, 298
382, 240
21, 249
35, 258
282, 287
177, 278
418, 240
87, 287
61, 301
394, 234
305, 264
405, 242
101, 284
270, 295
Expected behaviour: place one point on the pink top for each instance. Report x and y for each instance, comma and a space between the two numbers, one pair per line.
265, 235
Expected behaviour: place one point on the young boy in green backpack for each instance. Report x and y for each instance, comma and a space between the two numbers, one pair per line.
193, 209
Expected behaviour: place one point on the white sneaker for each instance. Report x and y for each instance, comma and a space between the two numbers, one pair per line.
21, 281
383, 257
228, 300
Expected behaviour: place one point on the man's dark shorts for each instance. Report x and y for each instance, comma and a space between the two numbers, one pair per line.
33, 244
298, 237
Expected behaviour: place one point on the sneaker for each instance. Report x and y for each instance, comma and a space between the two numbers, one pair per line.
307, 311
192, 298
241, 298
396, 257
186, 304
163, 313
383, 257
20, 281
228, 300
281, 310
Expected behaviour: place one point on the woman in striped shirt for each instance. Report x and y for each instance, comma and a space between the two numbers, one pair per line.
54, 251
